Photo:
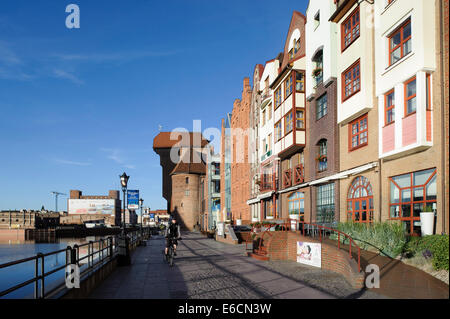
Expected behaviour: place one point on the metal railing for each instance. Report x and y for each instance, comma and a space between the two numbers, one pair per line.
98, 253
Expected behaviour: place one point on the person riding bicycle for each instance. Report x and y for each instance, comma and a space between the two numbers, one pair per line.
172, 235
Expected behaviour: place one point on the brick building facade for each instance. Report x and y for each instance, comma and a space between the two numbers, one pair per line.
240, 165
183, 174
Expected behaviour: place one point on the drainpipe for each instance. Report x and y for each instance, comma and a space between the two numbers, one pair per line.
380, 190
441, 37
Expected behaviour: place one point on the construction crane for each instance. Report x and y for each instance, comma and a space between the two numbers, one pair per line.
56, 199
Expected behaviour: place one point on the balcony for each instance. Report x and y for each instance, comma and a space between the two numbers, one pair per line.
299, 174
266, 155
287, 178
267, 182
265, 99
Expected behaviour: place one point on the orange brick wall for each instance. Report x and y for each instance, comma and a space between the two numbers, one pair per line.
283, 246
240, 170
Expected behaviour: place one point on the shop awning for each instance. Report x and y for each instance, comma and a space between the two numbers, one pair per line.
265, 195
253, 201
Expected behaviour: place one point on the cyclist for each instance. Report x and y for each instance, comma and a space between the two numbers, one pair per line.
172, 235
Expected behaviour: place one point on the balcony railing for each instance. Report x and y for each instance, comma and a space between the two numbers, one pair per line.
267, 182
266, 155
299, 175
287, 178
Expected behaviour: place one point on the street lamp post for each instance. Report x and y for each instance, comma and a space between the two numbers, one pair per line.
124, 182
124, 249
141, 201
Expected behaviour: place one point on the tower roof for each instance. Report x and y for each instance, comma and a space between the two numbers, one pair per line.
169, 139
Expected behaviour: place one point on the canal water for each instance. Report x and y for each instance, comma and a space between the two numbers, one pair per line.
11, 250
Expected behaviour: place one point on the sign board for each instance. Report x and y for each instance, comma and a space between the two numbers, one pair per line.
133, 199
152, 216
309, 254
220, 229
91, 206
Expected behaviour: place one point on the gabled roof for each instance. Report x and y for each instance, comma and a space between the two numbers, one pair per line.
164, 140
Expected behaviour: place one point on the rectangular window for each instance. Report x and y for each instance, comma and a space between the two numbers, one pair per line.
389, 107
358, 133
269, 139
263, 118
321, 106
410, 96
264, 145
278, 97
351, 81
288, 123
410, 194
350, 29
400, 42
278, 131
291, 53
325, 203
269, 112
288, 87
297, 46
300, 82
300, 119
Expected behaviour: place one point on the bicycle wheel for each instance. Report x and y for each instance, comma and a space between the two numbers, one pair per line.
171, 256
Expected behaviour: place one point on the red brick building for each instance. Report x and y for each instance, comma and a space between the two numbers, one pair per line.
183, 174
240, 165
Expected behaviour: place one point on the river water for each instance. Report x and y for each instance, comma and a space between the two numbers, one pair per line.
11, 250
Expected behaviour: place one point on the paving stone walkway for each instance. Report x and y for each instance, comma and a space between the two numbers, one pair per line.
207, 269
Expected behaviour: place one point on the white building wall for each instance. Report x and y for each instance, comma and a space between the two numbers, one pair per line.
323, 36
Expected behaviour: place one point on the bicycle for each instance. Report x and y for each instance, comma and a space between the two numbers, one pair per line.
170, 253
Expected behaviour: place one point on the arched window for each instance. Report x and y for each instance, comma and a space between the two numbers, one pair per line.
360, 201
322, 155
296, 203
318, 67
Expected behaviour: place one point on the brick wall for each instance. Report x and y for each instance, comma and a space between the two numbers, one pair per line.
283, 246
240, 167
185, 199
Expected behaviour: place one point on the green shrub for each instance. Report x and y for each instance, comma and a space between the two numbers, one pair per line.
387, 237
436, 244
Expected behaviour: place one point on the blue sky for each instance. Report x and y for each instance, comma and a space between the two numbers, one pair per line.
80, 106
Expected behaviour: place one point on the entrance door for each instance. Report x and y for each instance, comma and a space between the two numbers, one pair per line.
360, 201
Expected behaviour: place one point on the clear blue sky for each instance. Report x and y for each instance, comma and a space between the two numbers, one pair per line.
80, 106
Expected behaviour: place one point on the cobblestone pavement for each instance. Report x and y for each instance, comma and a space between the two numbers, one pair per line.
205, 268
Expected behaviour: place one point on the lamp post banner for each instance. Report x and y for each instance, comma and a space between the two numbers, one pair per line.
133, 199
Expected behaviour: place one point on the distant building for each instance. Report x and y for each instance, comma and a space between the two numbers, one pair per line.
82, 208
184, 172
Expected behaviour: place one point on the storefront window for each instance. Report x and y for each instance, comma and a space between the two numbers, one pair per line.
325, 203
410, 194
296, 203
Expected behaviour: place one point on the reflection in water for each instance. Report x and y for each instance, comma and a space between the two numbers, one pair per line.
11, 250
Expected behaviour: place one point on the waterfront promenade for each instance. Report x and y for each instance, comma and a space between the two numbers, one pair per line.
205, 269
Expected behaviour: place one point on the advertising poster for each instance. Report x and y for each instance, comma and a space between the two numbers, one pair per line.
91, 206
133, 199
309, 254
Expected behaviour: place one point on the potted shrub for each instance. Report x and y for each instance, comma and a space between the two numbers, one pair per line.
427, 221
